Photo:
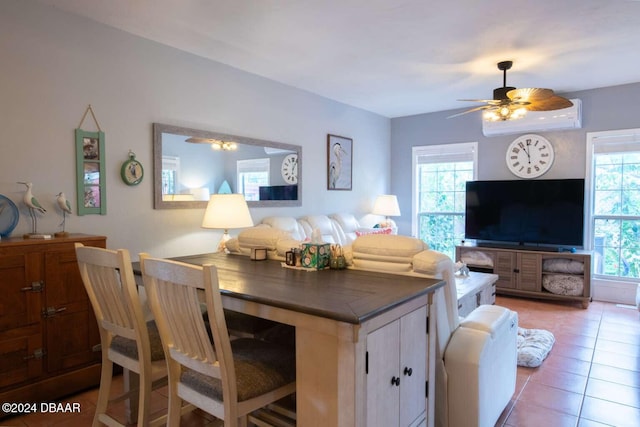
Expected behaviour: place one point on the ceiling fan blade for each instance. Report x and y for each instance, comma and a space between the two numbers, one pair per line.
530, 94
197, 140
487, 101
554, 103
483, 107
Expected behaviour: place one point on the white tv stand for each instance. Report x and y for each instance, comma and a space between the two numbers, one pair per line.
522, 273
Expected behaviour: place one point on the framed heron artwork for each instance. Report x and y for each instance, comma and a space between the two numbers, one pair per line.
339, 162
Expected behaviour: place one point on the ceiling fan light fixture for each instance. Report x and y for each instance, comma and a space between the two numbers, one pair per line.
216, 144
223, 145
505, 112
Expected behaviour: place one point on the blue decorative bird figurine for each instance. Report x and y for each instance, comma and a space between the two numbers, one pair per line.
30, 200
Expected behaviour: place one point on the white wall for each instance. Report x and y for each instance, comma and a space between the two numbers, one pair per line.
55, 64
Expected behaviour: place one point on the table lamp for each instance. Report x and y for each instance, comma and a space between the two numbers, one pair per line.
387, 205
225, 211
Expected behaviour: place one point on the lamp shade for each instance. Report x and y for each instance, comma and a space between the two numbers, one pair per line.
227, 211
386, 205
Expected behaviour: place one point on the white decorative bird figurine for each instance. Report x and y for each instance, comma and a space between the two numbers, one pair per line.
30, 200
63, 203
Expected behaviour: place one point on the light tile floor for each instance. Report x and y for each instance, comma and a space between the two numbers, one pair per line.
590, 379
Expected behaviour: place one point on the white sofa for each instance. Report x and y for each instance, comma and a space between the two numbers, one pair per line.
278, 234
476, 357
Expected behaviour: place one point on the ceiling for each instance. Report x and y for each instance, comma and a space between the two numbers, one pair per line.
395, 57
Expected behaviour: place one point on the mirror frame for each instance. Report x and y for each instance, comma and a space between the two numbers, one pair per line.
159, 129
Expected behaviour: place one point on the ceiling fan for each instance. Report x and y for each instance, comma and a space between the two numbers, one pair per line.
216, 144
509, 103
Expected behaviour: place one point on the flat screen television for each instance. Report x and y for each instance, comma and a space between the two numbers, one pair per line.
278, 192
548, 212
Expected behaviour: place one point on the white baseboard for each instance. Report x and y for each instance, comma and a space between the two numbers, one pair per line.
610, 291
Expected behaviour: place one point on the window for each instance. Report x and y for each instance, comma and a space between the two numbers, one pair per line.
170, 173
252, 174
439, 176
613, 187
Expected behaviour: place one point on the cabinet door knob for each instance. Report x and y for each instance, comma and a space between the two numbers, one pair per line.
395, 381
37, 354
408, 371
52, 311
35, 287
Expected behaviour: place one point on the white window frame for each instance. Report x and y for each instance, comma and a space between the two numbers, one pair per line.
607, 288
463, 151
172, 163
262, 165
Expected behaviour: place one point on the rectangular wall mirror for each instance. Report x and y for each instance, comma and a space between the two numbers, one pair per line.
191, 164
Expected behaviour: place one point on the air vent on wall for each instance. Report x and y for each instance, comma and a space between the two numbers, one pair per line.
566, 118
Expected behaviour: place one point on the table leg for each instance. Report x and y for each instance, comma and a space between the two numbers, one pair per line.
131, 382
325, 380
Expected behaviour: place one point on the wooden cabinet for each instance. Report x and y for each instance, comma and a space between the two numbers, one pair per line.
523, 272
49, 340
396, 372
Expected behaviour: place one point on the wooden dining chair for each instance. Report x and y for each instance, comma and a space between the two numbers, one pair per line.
126, 338
228, 379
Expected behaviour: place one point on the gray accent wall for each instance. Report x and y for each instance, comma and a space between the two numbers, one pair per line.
602, 109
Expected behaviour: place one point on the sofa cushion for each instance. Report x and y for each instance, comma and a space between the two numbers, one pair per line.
323, 225
381, 265
288, 224
285, 245
391, 245
346, 221
431, 262
346, 224
262, 236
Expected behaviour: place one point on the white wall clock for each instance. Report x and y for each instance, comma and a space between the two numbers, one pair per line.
530, 156
289, 169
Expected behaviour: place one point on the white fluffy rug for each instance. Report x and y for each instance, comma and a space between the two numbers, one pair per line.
533, 346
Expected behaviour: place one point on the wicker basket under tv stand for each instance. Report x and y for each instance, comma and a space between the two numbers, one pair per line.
521, 273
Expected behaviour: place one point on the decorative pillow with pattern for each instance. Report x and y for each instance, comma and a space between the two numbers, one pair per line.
373, 231
533, 346
563, 284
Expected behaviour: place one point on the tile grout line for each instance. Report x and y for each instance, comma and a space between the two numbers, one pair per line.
593, 355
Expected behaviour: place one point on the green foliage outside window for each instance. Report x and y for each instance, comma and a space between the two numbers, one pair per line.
441, 203
616, 214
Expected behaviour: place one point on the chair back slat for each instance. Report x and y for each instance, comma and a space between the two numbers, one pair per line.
190, 334
112, 298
